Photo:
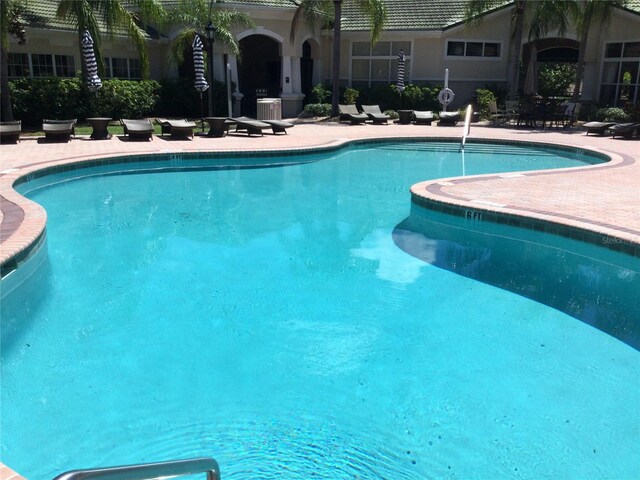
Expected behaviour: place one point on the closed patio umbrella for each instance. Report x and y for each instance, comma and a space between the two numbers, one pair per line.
198, 65
93, 80
400, 84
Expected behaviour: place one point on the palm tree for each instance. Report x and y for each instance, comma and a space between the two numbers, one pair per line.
584, 13
87, 15
312, 10
193, 15
10, 24
473, 14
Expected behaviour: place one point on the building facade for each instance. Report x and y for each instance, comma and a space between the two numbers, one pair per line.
432, 34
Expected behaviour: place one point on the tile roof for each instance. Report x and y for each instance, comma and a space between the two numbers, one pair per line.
423, 14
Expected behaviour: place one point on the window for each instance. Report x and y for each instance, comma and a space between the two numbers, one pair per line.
128, 68
378, 64
42, 65
620, 74
473, 49
65, 66
18, 65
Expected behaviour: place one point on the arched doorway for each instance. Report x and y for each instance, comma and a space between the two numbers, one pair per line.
259, 71
306, 72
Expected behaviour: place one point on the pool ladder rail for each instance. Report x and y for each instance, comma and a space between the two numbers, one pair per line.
467, 126
148, 471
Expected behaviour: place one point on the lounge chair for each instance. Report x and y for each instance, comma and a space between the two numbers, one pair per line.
375, 114
422, 117
10, 131
625, 129
176, 128
139, 128
350, 113
449, 119
251, 125
598, 127
58, 130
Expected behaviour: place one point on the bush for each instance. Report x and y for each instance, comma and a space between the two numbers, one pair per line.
62, 98
554, 79
392, 114
128, 98
316, 110
613, 114
320, 93
483, 98
350, 95
58, 98
178, 98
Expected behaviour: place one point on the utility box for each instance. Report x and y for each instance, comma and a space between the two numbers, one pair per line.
269, 109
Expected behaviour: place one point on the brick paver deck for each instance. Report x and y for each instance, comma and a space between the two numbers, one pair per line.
604, 198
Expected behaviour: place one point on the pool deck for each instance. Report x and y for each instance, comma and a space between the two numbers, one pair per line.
602, 199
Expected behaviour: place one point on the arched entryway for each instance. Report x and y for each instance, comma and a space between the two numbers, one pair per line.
306, 72
259, 70
555, 62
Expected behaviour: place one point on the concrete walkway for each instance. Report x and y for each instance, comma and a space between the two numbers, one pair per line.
602, 199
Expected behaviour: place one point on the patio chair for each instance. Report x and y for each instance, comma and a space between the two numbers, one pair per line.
10, 131
350, 113
625, 130
598, 127
180, 128
498, 117
512, 111
137, 128
58, 130
448, 119
422, 117
375, 114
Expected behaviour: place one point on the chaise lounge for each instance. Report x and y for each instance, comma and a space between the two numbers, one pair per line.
448, 119
598, 127
375, 114
10, 131
137, 129
625, 129
58, 130
180, 128
350, 113
251, 125
422, 117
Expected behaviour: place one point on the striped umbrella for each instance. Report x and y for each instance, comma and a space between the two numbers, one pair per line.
400, 84
198, 65
93, 80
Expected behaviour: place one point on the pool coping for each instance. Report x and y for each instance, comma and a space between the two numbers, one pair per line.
24, 221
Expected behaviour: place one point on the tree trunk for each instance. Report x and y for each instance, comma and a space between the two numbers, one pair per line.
6, 111
515, 50
335, 73
580, 66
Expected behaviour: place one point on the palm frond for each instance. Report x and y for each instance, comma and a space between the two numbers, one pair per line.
377, 13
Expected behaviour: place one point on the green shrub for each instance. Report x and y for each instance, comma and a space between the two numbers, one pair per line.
483, 98
350, 95
316, 110
178, 98
61, 98
612, 114
554, 79
320, 93
128, 98
58, 98
392, 114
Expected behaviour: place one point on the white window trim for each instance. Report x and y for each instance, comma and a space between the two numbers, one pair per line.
392, 56
476, 59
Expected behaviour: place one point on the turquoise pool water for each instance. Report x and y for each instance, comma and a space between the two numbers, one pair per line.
306, 322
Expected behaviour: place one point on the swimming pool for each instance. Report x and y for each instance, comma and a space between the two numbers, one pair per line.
303, 321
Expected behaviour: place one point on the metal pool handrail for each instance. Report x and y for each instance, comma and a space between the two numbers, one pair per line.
467, 126
147, 471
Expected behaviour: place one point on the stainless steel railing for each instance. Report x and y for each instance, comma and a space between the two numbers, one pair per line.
467, 126
148, 471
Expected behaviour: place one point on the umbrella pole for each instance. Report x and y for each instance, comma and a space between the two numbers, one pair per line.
201, 113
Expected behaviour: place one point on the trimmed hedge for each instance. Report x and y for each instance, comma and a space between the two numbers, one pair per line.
61, 98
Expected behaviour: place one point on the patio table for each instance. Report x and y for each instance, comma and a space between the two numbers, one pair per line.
99, 125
